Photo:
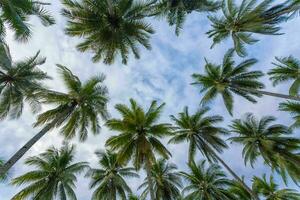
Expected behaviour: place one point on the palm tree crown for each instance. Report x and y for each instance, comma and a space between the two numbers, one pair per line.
139, 133
167, 182
199, 131
55, 175
15, 14
79, 108
206, 183
227, 79
269, 189
239, 22
286, 69
18, 82
109, 179
271, 142
109, 27
139, 138
176, 10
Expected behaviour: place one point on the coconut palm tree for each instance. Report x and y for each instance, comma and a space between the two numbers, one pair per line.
240, 22
54, 176
176, 10
18, 82
109, 179
166, 181
139, 136
202, 133
15, 14
227, 78
272, 142
294, 109
206, 182
287, 68
109, 28
76, 111
269, 189
196, 127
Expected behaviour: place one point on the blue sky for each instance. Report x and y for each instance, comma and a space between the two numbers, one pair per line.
161, 74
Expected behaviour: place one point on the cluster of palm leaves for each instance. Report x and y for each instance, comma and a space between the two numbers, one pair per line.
116, 28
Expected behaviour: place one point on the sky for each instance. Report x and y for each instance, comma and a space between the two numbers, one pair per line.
162, 74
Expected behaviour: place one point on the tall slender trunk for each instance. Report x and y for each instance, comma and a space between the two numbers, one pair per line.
261, 92
21, 152
149, 178
254, 196
114, 194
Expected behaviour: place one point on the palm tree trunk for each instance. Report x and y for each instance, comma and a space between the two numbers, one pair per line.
261, 92
20, 153
149, 178
254, 196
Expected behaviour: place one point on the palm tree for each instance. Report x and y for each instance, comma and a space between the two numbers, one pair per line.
139, 138
166, 181
18, 82
54, 177
77, 111
286, 69
269, 189
15, 14
202, 133
176, 10
206, 182
227, 78
294, 109
240, 22
109, 28
271, 142
109, 179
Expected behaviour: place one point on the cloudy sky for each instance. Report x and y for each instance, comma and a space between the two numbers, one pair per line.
161, 74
